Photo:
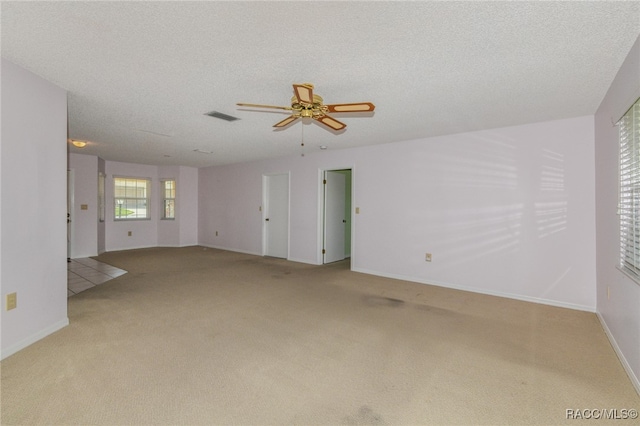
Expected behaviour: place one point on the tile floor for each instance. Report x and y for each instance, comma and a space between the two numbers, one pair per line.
85, 273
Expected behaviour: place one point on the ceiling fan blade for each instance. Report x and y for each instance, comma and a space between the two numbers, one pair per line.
358, 107
330, 122
304, 93
265, 106
286, 121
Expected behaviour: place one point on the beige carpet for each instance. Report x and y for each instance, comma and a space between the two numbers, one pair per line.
203, 336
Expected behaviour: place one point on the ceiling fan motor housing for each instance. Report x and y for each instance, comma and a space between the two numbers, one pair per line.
308, 110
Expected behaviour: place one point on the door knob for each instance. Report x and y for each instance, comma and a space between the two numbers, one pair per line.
267, 219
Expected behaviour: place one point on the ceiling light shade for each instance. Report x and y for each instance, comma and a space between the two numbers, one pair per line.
78, 144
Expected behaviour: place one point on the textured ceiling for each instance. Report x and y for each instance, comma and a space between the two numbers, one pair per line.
142, 75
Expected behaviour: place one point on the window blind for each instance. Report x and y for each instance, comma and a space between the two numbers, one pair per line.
629, 192
169, 198
131, 198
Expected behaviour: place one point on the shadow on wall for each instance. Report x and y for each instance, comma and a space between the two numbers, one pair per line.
485, 203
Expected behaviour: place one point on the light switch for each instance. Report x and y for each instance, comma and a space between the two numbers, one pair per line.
84, 207
357, 210
12, 301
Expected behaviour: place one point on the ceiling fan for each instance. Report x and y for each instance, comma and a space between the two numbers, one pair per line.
306, 104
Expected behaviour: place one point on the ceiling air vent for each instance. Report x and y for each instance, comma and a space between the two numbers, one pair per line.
221, 116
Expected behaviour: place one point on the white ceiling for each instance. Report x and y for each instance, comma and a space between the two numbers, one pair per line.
141, 75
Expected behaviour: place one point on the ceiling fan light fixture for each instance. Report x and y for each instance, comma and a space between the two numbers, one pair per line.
77, 143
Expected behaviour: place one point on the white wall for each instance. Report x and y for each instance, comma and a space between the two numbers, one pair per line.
84, 222
228, 203
102, 224
187, 206
183, 231
34, 198
618, 296
506, 211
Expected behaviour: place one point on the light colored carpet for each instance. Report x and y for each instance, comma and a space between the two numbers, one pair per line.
203, 336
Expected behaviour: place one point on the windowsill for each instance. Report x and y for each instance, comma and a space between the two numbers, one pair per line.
631, 276
167, 218
132, 220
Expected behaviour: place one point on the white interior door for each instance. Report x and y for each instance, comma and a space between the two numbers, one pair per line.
276, 216
334, 216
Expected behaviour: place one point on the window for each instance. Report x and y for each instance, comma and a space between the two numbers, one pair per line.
131, 198
168, 198
629, 195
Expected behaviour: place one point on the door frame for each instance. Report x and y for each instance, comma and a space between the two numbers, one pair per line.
264, 210
321, 220
70, 212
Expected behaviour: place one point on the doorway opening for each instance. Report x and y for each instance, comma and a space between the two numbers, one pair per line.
337, 217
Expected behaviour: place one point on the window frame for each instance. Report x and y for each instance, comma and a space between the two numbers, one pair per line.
147, 199
164, 198
629, 192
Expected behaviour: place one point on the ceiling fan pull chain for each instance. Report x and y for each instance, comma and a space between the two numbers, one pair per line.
302, 139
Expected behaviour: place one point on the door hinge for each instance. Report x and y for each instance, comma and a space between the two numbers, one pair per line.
324, 251
324, 181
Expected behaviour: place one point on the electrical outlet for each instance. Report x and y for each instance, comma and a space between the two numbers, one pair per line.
427, 257
12, 301
129, 233
216, 233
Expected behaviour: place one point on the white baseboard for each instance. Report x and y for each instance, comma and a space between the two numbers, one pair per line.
129, 248
145, 247
255, 254
621, 357
34, 338
482, 291
308, 262
83, 255
230, 249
